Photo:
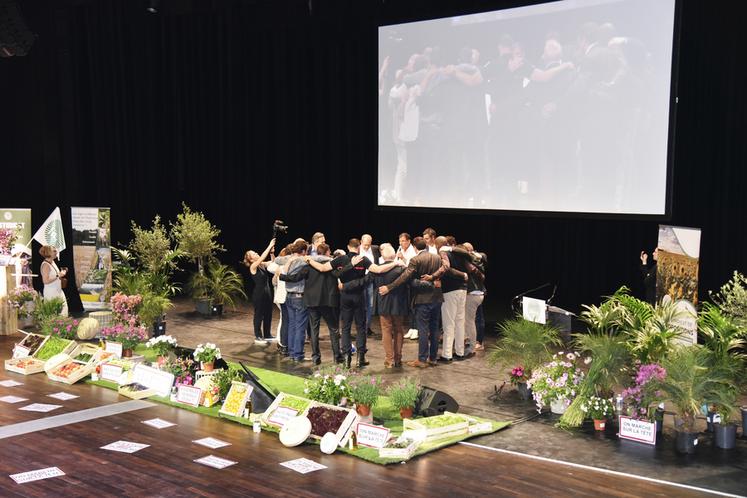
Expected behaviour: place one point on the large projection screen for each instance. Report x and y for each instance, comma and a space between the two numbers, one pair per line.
560, 107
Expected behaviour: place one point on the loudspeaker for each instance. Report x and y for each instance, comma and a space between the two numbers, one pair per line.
15, 37
433, 402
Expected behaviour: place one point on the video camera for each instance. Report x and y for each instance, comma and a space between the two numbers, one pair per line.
278, 228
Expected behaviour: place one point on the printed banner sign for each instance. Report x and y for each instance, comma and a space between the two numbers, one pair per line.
677, 274
18, 220
92, 256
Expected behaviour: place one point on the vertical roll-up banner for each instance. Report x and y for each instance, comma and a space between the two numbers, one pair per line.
20, 221
677, 274
92, 256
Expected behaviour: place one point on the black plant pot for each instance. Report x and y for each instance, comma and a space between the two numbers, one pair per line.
687, 442
203, 306
525, 393
159, 328
744, 421
659, 419
726, 436
709, 421
217, 310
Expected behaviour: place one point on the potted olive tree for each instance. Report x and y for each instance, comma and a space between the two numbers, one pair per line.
196, 238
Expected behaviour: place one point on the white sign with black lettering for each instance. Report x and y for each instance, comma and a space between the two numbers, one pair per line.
373, 436
303, 465
637, 430
20, 352
36, 475
125, 446
114, 347
215, 462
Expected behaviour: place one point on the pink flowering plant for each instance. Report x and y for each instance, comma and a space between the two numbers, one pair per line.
556, 380
642, 397
365, 389
517, 375
61, 326
130, 336
21, 295
8, 237
183, 370
125, 308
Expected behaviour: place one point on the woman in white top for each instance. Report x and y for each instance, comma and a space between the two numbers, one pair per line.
51, 276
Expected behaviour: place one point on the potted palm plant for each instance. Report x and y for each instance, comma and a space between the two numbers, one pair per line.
223, 286
689, 382
524, 346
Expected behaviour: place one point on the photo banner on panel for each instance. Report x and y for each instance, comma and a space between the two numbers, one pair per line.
92, 256
677, 273
18, 220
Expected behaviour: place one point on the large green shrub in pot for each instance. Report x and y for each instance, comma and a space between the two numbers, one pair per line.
732, 299
524, 343
195, 236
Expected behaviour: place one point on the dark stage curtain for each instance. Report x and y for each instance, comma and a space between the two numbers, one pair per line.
251, 111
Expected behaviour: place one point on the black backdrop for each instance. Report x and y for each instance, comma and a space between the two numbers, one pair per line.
255, 110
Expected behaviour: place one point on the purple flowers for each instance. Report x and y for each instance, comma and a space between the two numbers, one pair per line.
642, 395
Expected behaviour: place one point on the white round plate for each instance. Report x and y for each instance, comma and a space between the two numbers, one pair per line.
295, 431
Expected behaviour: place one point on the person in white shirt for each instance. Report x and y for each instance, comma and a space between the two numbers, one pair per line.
52, 277
429, 235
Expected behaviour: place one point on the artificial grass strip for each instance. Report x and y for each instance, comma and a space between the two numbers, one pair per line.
278, 382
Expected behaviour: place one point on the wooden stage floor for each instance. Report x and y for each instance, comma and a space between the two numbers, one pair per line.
166, 467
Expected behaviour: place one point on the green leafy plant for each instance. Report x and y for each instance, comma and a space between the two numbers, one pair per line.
47, 308
365, 390
597, 408
63, 326
224, 284
327, 386
153, 307
524, 343
732, 299
403, 393
224, 378
195, 236
691, 382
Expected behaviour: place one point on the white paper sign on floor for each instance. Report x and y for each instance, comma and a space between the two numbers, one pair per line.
40, 407
303, 465
211, 442
215, 462
12, 383
158, 423
63, 396
12, 399
125, 446
36, 475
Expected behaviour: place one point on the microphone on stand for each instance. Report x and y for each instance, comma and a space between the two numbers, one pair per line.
514, 301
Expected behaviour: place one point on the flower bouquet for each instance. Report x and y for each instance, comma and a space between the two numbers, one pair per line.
599, 410
207, 354
556, 383
130, 336
19, 299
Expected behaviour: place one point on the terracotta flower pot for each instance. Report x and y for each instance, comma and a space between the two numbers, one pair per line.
599, 425
363, 410
405, 412
126, 353
207, 366
162, 360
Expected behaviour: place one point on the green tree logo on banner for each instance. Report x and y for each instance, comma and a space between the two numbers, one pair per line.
53, 234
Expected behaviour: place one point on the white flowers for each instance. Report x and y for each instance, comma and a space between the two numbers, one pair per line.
206, 352
587, 360
338, 379
162, 339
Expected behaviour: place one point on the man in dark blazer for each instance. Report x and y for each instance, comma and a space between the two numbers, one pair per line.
426, 301
322, 298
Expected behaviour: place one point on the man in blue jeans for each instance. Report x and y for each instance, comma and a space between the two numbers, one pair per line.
426, 300
298, 315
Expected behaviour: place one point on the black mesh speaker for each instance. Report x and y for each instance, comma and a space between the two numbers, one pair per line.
15, 37
434, 402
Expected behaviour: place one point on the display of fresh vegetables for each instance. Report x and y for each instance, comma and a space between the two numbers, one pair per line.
324, 420
441, 421
32, 342
66, 371
294, 403
399, 443
235, 401
26, 362
83, 358
54, 345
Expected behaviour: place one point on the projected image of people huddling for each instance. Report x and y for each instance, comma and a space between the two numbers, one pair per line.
577, 122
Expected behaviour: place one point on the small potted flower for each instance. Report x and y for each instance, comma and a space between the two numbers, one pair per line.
206, 354
556, 383
328, 386
62, 326
403, 395
183, 370
599, 410
128, 335
162, 346
364, 391
518, 377
23, 299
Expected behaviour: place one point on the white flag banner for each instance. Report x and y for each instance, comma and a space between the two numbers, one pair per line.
50, 233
